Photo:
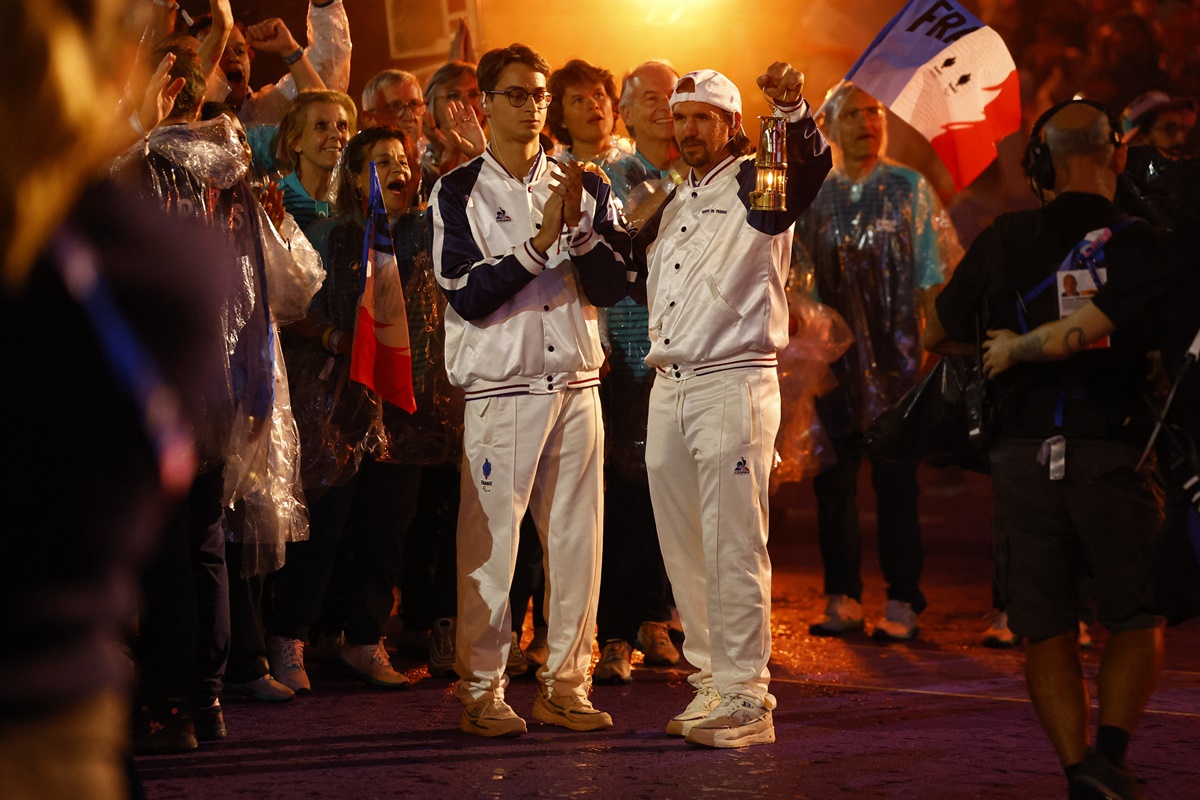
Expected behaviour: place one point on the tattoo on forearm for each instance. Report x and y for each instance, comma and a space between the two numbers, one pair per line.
1030, 347
1074, 340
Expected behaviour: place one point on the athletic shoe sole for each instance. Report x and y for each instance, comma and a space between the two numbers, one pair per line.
722, 739
509, 731
592, 722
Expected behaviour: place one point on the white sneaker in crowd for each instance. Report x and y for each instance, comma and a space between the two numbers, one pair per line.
654, 640
614, 667
705, 700
738, 721
538, 650
441, 648
516, 666
370, 664
571, 711
843, 614
899, 623
999, 635
286, 657
266, 689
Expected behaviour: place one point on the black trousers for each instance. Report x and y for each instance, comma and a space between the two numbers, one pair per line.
901, 555
183, 632
633, 584
529, 578
428, 574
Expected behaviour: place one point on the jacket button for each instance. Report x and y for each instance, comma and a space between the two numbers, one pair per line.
674, 366
545, 308
550, 348
672, 304
683, 229
666, 341
676, 266
677, 375
695, 195
538, 225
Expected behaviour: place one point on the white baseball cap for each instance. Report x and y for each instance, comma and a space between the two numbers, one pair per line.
710, 87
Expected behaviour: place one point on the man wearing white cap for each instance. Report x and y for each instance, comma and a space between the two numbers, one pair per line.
712, 271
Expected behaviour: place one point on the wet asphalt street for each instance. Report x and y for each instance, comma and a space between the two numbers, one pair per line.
941, 717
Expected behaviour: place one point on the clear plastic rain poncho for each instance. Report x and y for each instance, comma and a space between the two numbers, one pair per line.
866, 248
340, 419
197, 170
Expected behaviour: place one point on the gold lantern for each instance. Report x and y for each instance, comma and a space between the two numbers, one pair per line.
770, 164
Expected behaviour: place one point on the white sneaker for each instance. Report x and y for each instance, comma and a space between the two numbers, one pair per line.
571, 711
702, 705
999, 634
899, 623
843, 614
614, 668
738, 721
370, 664
538, 650
654, 640
516, 666
286, 657
441, 648
491, 717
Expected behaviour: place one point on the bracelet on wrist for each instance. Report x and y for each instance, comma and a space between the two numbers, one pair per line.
135, 122
292, 58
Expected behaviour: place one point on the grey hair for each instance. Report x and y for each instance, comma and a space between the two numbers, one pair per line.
389, 77
626, 99
835, 100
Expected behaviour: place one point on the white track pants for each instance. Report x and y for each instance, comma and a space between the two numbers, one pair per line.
709, 448
542, 452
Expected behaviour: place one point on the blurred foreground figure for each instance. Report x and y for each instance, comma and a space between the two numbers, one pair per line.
1066, 470
116, 348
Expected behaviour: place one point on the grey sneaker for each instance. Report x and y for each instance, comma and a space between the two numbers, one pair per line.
737, 721
576, 713
707, 698
899, 623
370, 664
654, 640
441, 648
843, 614
266, 689
491, 717
286, 657
538, 650
614, 668
516, 666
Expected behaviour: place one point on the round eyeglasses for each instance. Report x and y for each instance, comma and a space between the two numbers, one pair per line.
517, 96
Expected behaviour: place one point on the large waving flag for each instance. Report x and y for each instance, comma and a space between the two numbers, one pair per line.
382, 359
941, 70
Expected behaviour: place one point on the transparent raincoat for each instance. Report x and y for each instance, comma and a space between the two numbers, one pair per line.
865, 249
197, 170
340, 419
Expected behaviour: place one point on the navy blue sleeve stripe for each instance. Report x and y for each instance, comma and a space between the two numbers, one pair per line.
602, 269
809, 161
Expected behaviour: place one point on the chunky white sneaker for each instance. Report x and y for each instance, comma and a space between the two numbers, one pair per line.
441, 648
614, 668
538, 650
516, 666
843, 614
999, 635
702, 705
286, 657
370, 664
571, 711
654, 640
738, 721
491, 717
899, 623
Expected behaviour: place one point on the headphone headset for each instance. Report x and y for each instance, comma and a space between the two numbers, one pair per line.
1038, 163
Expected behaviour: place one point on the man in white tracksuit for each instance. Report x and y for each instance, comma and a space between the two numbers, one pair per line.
524, 249
712, 271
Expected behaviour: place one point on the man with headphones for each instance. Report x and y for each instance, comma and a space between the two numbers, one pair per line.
1069, 436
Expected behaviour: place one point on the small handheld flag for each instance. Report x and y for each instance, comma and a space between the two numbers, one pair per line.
381, 359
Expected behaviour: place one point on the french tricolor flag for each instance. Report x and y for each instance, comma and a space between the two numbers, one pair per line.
382, 359
941, 70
